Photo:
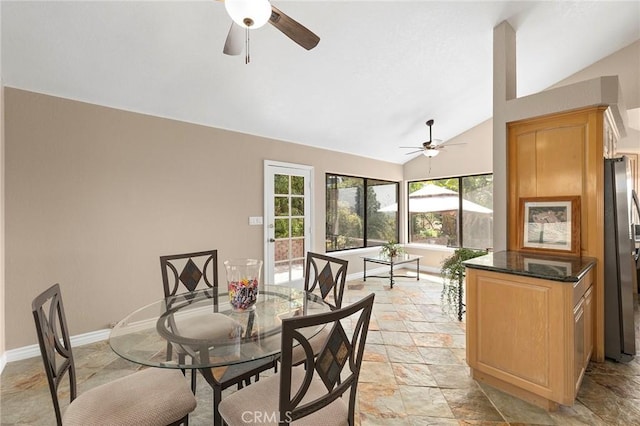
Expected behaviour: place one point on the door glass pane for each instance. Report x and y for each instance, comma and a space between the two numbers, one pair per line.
297, 206
282, 228
281, 184
297, 227
297, 269
281, 206
297, 185
297, 247
282, 250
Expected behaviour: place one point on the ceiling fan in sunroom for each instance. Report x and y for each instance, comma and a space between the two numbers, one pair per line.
251, 14
432, 147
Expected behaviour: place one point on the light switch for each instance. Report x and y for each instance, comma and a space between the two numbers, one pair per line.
255, 220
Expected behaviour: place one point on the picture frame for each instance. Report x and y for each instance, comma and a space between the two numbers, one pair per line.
550, 224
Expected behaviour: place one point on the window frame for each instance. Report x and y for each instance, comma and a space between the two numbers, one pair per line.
459, 217
365, 219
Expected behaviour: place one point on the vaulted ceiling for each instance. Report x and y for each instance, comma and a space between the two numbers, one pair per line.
380, 71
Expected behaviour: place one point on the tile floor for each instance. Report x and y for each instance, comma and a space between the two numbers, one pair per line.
414, 373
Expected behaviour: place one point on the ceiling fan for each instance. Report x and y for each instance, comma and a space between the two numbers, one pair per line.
252, 14
432, 147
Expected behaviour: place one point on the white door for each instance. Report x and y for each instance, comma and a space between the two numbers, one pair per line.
287, 226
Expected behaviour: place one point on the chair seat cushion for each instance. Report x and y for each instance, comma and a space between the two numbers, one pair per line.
152, 396
214, 326
258, 403
317, 342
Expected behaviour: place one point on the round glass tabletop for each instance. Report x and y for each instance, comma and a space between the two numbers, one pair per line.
201, 329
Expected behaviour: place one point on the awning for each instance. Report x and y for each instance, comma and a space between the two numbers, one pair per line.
433, 198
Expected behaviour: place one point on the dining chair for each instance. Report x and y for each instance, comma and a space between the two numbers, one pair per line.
152, 396
325, 275
314, 395
199, 270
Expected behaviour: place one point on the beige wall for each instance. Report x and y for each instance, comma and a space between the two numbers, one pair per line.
95, 195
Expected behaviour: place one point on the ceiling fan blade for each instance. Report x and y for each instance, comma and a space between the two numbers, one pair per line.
413, 152
234, 44
293, 29
411, 147
451, 144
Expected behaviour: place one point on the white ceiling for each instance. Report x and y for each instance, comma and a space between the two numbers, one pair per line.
381, 69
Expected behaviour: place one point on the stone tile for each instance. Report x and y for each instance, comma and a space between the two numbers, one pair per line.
376, 353
397, 338
388, 316
451, 376
413, 374
431, 421
374, 336
619, 385
607, 405
578, 415
424, 401
380, 400
471, 404
434, 340
390, 325
440, 356
420, 327
404, 354
370, 419
376, 372
515, 410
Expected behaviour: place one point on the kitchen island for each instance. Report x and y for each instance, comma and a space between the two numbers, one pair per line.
530, 324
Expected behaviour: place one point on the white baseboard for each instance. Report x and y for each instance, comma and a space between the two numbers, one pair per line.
3, 361
34, 350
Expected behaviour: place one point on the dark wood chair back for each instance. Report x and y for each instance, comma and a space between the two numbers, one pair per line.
195, 268
337, 365
327, 275
55, 345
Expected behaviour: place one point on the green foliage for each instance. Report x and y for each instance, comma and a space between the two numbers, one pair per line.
391, 249
452, 271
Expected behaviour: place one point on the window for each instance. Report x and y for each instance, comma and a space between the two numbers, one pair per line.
361, 212
454, 212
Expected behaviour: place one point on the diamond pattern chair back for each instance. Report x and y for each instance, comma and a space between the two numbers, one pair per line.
327, 275
186, 272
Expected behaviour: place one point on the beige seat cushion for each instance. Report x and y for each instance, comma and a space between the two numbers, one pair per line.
258, 403
153, 397
316, 342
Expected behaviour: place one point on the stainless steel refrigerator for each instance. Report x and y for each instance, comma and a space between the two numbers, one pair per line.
620, 342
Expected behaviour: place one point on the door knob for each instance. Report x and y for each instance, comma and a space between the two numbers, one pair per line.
271, 240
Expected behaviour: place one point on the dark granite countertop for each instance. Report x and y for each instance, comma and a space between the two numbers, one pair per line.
548, 267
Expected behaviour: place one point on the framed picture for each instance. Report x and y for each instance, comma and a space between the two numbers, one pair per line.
550, 224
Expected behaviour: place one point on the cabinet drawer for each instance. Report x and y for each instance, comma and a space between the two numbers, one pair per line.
581, 286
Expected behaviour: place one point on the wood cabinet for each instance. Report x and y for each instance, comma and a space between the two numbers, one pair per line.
530, 337
563, 155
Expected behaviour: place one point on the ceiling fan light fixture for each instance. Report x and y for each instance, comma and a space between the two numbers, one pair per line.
430, 152
249, 13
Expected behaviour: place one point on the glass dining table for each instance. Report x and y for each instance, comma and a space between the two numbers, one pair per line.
204, 325
201, 330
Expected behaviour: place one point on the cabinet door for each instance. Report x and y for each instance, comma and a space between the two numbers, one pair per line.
579, 343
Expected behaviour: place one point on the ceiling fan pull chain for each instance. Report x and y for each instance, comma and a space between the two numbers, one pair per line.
247, 58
